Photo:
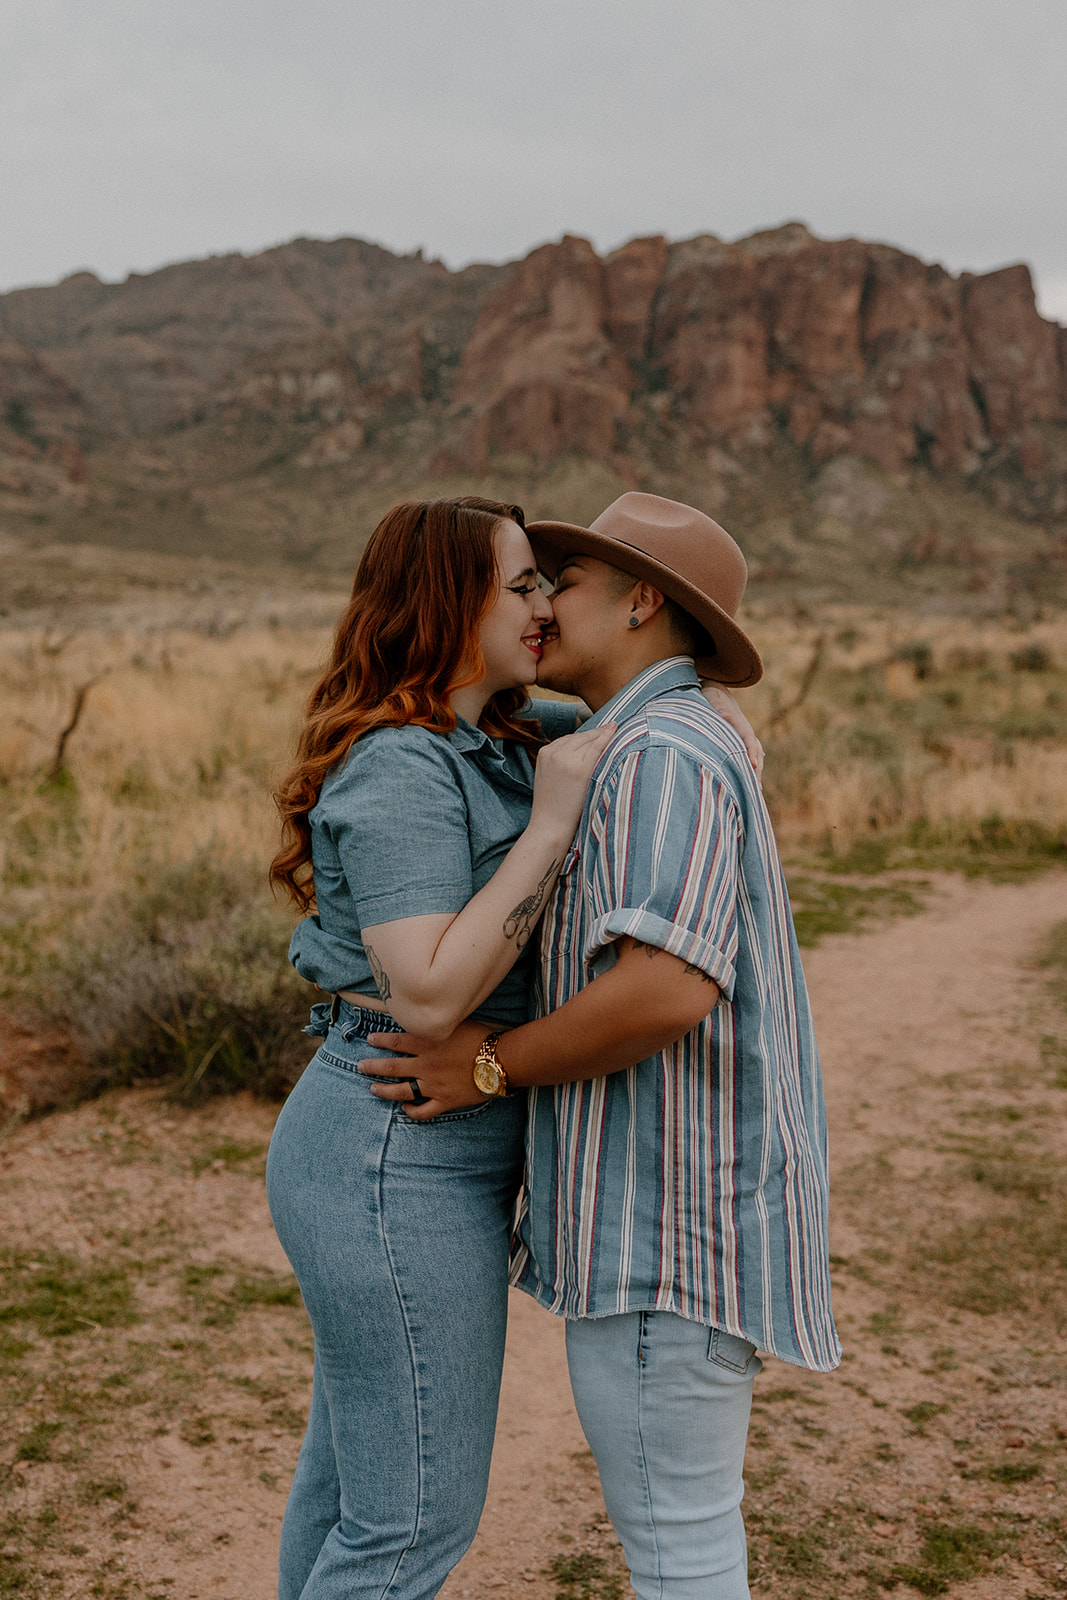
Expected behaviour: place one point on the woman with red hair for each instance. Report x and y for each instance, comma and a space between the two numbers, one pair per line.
424, 824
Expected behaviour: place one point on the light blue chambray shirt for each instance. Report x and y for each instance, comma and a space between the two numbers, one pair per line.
414, 822
696, 1181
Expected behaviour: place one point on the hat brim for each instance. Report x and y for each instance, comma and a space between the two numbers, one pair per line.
736, 661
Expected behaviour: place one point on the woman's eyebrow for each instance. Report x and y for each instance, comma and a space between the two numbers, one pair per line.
527, 572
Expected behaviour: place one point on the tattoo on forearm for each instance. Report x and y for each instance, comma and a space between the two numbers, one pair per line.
650, 950
696, 972
519, 922
381, 977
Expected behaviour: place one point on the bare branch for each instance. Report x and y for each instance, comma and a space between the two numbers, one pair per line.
53, 647
80, 697
817, 653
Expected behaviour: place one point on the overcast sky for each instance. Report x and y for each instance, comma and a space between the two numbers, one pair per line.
138, 132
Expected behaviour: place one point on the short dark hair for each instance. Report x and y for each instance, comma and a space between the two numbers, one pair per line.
691, 638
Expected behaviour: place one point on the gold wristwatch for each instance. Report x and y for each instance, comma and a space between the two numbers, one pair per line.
489, 1075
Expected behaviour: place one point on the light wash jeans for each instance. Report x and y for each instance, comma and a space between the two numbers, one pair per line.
664, 1404
398, 1234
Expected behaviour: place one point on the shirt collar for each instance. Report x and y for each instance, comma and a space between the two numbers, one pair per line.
466, 738
505, 764
677, 672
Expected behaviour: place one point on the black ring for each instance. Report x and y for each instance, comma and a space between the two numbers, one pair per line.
417, 1096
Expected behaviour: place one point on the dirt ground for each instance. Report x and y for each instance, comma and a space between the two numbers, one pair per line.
156, 1358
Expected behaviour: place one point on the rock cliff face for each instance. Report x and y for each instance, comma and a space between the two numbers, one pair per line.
322, 354
846, 347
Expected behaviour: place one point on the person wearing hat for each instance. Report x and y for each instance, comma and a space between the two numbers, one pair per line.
675, 1202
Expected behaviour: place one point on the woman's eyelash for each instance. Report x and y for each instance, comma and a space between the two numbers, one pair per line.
522, 588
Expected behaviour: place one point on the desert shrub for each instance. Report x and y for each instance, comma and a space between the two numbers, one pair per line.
1024, 724
1031, 658
18, 416
967, 659
135, 916
919, 655
181, 975
870, 741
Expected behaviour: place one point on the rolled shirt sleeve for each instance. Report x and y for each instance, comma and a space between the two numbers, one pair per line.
666, 842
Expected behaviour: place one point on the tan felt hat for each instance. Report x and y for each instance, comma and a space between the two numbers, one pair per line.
679, 550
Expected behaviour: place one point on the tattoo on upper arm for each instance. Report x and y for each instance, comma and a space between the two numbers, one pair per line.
691, 971
381, 977
519, 922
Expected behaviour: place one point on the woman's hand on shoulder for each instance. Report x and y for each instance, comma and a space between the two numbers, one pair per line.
721, 700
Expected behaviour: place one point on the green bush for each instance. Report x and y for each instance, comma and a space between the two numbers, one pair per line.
183, 977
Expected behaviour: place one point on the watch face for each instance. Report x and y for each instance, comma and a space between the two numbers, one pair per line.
487, 1077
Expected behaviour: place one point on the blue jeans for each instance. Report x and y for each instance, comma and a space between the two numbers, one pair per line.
664, 1404
398, 1234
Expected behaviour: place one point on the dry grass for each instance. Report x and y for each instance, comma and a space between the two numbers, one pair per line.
938, 727
136, 910
179, 737
132, 854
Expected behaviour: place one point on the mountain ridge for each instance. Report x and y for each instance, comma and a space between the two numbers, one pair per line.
253, 403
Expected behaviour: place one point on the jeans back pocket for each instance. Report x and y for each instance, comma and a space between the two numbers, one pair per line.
727, 1350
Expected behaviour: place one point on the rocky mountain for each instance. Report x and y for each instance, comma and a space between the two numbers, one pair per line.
257, 405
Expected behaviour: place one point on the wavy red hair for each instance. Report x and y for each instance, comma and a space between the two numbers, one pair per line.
407, 638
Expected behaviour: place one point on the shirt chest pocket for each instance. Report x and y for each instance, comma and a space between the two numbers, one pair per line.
495, 822
565, 922
571, 861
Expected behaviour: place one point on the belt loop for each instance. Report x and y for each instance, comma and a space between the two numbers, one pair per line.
335, 1009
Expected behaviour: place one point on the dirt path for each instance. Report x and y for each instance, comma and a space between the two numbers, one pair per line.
908, 1018
157, 1434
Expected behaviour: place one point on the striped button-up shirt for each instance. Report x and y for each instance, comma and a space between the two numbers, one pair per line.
696, 1181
